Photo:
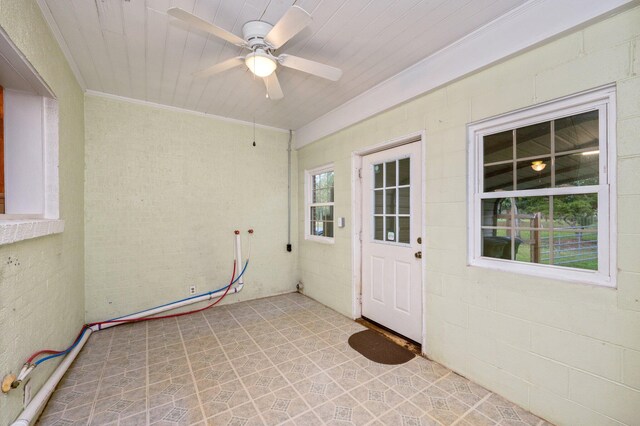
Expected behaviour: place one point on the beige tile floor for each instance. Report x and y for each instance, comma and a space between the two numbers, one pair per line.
279, 360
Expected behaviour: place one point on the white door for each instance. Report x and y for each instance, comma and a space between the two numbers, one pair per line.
391, 226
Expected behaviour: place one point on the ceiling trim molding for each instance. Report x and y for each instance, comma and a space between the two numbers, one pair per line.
529, 25
48, 17
183, 110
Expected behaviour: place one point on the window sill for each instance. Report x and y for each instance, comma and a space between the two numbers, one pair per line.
323, 240
545, 271
14, 230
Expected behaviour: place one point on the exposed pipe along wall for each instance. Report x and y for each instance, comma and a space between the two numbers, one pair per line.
37, 404
289, 191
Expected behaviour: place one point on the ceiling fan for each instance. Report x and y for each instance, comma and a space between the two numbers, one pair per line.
262, 39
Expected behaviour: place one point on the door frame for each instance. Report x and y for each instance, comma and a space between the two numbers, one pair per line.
356, 215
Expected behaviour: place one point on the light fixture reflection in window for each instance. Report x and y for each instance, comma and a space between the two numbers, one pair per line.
538, 165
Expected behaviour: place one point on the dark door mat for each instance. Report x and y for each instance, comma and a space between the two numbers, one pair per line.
372, 345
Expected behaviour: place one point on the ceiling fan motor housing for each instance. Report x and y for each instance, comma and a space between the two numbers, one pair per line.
254, 33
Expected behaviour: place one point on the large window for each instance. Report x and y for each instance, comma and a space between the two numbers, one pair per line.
319, 204
541, 198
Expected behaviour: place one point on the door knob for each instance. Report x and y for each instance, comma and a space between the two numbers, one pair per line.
418, 255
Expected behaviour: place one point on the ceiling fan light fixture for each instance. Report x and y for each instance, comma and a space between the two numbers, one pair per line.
261, 64
262, 39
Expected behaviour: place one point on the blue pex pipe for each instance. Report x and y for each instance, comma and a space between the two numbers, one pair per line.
209, 293
66, 351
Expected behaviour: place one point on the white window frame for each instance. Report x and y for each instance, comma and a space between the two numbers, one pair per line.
34, 213
308, 195
602, 99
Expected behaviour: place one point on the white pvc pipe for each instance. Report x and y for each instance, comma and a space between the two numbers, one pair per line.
149, 312
239, 256
37, 404
33, 409
182, 303
289, 190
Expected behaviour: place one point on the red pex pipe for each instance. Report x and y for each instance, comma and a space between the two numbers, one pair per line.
233, 276
52, 352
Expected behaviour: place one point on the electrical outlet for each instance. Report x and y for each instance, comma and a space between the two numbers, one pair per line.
192, 289
27, 394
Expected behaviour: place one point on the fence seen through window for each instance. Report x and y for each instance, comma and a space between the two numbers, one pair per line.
547, 175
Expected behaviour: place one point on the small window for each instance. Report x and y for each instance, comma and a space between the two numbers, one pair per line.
319, 204
541, 193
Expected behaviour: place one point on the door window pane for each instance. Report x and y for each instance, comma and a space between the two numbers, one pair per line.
390, 204
378, 228
404, 230
378, 176
378, 196
404, 201
404, 171
390, 179
391, 229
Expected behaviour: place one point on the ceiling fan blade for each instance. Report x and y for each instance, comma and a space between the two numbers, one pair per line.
293, 21
311, 67
200, 23
273, 87
220, 67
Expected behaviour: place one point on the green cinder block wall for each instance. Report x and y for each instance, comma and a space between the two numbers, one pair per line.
164, 192
42, 280
567, 352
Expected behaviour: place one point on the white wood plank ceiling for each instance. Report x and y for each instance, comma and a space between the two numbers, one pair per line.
132, 48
